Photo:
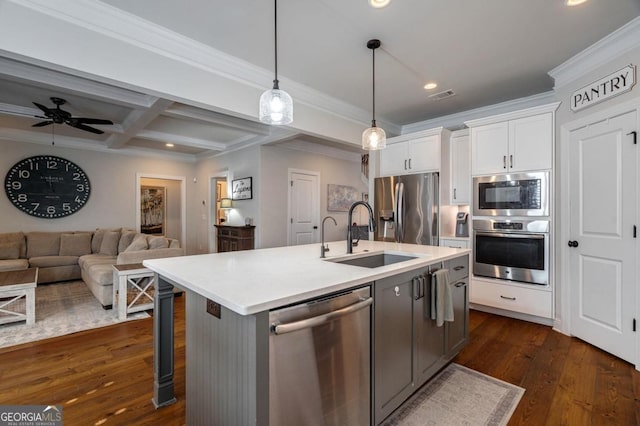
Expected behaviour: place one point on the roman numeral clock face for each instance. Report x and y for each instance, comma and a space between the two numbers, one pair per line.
47, 186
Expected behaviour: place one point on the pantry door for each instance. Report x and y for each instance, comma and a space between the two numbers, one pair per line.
603, 256
304, 207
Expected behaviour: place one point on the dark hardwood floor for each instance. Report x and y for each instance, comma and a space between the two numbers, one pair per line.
105, 377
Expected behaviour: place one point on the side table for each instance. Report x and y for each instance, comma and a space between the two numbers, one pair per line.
133, 286
14, 285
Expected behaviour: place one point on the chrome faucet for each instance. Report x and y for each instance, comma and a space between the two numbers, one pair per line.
372, 224
324, 249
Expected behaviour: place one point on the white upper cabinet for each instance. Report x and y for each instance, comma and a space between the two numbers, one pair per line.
514, 142
460, 171
412, 153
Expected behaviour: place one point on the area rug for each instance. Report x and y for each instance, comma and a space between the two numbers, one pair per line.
459, 396
61, 308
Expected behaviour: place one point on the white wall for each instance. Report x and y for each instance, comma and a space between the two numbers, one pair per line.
112, 202
276, 162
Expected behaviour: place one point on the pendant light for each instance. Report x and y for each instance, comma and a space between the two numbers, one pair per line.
374, 137
276, 106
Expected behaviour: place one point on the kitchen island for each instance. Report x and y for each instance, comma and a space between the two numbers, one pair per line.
229, 297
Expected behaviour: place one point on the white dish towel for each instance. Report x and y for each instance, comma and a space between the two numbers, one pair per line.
441, 301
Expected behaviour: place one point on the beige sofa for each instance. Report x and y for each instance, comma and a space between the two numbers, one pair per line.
63, 256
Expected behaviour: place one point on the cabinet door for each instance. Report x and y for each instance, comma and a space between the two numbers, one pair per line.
454, 243
394, 159
393, 375
489, 145
460, 170
457, 332
531, 143
424, 154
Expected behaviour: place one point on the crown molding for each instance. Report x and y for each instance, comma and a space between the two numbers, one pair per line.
598, 54
457, 120
513, 115
115, 23
317, 149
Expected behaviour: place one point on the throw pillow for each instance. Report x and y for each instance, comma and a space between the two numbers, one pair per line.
109, 245
126, 239
10, 250
158, 243
97, 238
43, 244
138, 243
75, 244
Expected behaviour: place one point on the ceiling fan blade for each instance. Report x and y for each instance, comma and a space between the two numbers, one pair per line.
44, 109
83, 120
42, 124
87, 128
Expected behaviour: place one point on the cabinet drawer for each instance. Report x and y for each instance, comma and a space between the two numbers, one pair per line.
519, 299
458, 268
454, 243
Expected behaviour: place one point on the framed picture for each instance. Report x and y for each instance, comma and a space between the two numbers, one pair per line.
241, 189
152, 210
340, 197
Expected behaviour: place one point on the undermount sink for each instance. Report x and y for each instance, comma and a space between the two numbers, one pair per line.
374, 260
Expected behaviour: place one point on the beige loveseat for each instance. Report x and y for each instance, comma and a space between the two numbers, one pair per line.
63, 256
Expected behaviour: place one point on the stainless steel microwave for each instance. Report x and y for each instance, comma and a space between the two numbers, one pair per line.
521, 194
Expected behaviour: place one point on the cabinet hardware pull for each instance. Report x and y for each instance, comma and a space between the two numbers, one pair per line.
457, 268
508, 298
409, 163
454, 193
511, 161
397, 290
504, 161
405, 164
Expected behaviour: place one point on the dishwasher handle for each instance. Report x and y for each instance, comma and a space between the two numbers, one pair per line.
320, 319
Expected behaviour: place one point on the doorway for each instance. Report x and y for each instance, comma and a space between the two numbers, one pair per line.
218, 189
304, 207
172, 211
602, 242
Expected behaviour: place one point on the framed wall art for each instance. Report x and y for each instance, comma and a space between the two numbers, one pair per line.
241, 189
152, 210
340, 197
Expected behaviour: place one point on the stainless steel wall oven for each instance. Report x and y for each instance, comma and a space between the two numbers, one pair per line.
521, 194
516, 250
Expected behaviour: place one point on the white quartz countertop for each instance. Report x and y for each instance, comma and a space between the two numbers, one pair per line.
252, 281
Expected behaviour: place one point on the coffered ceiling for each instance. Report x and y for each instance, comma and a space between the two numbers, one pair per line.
485, 52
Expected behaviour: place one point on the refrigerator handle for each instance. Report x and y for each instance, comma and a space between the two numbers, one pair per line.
399, 213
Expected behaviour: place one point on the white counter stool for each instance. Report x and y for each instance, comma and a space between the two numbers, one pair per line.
14, 285
133, 286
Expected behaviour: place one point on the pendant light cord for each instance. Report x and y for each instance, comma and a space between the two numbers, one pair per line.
373, 83
275, 42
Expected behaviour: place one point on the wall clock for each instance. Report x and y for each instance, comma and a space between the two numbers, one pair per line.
47, 186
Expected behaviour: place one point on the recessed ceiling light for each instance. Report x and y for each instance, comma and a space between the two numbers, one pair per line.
379, 3
574, 2
430, 86
169, 145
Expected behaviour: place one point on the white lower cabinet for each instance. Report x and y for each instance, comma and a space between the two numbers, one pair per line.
526, 300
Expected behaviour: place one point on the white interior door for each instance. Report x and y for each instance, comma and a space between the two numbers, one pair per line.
603, 181
304, 208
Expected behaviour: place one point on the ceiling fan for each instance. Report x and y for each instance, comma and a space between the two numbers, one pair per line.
58, 116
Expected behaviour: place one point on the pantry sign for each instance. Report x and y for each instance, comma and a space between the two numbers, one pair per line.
607, 87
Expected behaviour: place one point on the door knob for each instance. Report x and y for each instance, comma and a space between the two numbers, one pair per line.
573, 244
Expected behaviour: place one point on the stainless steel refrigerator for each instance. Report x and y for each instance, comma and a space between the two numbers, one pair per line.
406, 208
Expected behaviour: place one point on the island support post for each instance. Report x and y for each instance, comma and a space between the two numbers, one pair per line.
163, 348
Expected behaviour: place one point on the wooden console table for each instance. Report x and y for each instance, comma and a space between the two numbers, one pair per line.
235, 238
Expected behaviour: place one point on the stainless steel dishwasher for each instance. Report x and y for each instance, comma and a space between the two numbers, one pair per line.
320, 361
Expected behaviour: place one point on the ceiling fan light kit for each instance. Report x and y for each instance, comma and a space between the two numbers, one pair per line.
59, 116
374, 137
276, 106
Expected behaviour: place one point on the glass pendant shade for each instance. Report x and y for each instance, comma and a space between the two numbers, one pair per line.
374, 138
276, 107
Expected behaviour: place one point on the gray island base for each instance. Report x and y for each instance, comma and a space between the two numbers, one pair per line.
231, 300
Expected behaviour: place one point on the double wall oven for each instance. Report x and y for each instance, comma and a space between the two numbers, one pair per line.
511, 227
